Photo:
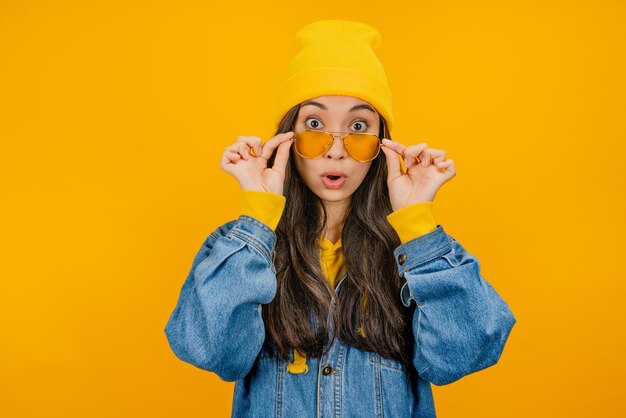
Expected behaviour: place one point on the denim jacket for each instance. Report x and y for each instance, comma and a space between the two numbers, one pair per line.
460, 326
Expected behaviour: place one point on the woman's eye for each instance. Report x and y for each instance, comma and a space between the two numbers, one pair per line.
315, 124
360, 125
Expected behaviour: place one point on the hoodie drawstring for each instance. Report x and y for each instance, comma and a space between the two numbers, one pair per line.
298, 365
360, 331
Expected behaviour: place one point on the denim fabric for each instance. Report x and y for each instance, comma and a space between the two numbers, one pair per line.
460, 325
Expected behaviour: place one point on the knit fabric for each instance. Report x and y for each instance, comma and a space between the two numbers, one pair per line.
335, 57
265, 206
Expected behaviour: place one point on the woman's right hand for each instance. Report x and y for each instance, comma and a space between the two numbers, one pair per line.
250, 170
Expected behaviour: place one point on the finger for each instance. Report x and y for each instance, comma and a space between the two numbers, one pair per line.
434, 152
232, 147
425, 157
247, 139
408, 153
441, 157
233, 156
229, 157
256, 149
393, 162
253, 142
451, 167
430, 154
396, 146
282, 155
411, 153
443, 163
272, 143
244, 151
446, 166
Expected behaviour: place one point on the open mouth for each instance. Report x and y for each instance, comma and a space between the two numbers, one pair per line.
333, 182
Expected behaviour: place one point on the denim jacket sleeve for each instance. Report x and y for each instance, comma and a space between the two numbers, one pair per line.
217, 324
460, 323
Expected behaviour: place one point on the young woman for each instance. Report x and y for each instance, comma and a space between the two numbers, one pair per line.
335, 292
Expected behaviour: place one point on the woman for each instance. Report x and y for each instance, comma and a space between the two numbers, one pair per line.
306, 299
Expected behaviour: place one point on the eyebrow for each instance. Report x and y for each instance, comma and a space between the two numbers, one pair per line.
354, 108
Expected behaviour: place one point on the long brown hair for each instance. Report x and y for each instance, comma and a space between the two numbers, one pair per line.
369, 296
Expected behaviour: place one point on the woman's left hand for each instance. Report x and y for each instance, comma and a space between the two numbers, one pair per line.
422, 178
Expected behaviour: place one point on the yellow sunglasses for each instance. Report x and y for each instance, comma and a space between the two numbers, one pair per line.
360, 146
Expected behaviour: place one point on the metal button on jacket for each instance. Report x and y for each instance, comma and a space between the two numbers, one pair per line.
401, 259
327, 370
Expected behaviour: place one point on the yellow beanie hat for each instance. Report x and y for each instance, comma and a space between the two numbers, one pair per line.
335, 57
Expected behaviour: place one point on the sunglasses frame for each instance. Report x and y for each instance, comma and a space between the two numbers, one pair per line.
342, 136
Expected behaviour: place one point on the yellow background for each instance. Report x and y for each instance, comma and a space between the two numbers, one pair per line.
113, 118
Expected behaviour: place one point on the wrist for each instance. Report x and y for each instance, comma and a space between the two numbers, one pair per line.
425, 199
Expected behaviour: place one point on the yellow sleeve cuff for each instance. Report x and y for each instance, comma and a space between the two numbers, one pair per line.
266, 207
413, 221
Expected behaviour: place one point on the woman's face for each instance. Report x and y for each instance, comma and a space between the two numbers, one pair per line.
336, 114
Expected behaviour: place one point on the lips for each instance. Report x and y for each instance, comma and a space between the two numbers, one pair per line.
333, 175
333, 179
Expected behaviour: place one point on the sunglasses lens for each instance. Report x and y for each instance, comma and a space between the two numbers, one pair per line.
312, 144
362, 147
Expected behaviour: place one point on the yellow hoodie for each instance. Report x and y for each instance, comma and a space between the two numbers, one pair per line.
409, 222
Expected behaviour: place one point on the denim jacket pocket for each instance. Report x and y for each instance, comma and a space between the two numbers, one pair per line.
387, 363
392, 386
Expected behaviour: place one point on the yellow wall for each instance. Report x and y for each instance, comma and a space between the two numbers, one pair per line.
113, 117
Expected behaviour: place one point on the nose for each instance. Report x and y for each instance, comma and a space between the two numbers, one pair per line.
337, 150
